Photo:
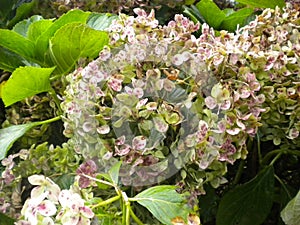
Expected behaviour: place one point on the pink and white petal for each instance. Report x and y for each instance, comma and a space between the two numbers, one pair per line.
38, 194
46, 208
84, 221
70, 218
210, 102
47, 221
86, 212
233, 131
53, 192
139, 142
64, 198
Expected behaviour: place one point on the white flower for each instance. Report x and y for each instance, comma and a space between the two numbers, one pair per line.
45, 187
74, 212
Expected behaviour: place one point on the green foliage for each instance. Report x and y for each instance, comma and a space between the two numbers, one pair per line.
5, 220
211, 13
12, 11
291, 213
250, 203
264, 3
72, 42
10, 134
235, 18
48, 43
114, 173
28, 81
100, 21
164, 203
206, 11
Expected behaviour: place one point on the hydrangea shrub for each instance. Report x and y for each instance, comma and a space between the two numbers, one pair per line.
165, 102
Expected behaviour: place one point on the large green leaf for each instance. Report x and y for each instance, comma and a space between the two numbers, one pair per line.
164, 203
72, 42
264, 3
236, 18
6, 11
23, 9
212, 14
100, 21
42, 43
22, 27
37, 28
25, 82
250, 203
9, 60
16, 43
10, 134
291, 213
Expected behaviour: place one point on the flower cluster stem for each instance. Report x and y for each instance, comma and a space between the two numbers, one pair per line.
106, 202
277, 154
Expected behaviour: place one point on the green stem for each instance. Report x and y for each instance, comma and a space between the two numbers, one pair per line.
98, 180
49, 120
135, 218
283, 185
56, 77
275, 159
239, 173
259, 149
279, 152
126, 208
106, 202
127, 204
123, 213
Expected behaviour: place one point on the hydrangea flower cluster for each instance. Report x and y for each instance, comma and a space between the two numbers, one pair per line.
273, 56
160, 99
41, 159
48, 204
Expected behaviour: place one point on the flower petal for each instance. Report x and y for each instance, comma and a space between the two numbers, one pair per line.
36, 179
46, 208
86, 212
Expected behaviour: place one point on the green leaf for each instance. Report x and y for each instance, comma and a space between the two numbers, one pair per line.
10, 134
16, 43
193, 13
25, 82
9, 60
212, 14
22, 11
6, 9
164, 203
114, 172
100, 21
291, 213
74, 41
264, 3
250, 203
22, 27
36, 29
5, 220
42, 43
239, 17
65, 181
